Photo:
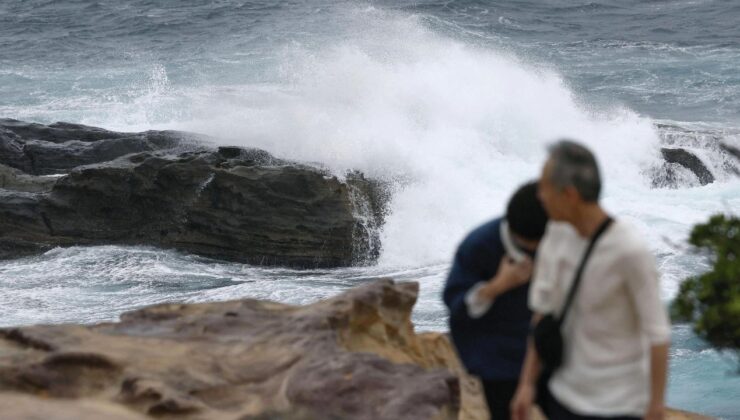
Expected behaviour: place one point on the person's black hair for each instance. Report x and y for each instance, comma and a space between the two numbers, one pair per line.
525, 214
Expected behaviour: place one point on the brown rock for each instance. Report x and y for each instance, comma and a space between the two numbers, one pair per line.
20, 406
235, 360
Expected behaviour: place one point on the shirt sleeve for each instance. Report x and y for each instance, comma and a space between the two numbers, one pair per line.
461, 278
542, 286
644, 289
476, 304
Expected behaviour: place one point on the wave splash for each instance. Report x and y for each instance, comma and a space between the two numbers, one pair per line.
452, 128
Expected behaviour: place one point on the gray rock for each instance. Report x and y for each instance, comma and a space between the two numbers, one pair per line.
689, 161
58, 148
231, 203
684, 169
15, 179
734, 151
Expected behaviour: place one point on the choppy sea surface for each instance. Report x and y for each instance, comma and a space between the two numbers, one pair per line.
456, 98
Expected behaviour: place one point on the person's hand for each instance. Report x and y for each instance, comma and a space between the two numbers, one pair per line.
656, 411
509, 276
522, 402
513, 274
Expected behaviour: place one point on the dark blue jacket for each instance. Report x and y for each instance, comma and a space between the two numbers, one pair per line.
492, 346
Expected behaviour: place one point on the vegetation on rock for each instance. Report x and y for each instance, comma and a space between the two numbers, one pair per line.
711, 301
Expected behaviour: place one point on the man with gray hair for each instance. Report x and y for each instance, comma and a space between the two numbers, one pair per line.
596, 281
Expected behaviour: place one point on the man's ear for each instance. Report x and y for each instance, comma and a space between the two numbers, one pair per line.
572, 194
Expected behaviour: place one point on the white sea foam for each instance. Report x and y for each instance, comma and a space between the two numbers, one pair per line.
461, 126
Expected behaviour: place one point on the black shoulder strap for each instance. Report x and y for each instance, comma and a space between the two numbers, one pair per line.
577, 281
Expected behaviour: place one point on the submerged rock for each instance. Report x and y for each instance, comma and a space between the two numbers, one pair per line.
689, 161
681, 151
732, 150
231, 203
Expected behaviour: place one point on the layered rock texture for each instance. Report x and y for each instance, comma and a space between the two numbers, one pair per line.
354, 356
66, 184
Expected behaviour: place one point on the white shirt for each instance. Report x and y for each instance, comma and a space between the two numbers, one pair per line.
476, 304
615, 316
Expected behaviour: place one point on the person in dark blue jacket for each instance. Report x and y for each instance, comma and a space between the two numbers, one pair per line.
486, 294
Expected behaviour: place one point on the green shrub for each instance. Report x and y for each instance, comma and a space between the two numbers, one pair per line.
711, 301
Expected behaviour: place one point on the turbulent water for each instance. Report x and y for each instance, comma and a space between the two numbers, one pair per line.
451, 102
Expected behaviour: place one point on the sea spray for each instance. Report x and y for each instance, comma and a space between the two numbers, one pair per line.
451, 128
463, 125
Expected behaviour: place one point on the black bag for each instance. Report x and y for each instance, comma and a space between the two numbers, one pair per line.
547, 335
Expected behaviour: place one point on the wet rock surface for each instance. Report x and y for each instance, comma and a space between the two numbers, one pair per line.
694, 157
39, 149
732, 150
689, 161
66, 184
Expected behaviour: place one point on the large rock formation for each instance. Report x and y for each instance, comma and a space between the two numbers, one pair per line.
354, 356
161, 188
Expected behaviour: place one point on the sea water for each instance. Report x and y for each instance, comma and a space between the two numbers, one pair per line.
452, 103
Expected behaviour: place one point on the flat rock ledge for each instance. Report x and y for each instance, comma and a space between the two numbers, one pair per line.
353, 356
68, 184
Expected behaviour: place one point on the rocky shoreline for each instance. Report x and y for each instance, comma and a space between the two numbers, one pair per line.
67, 184
353, 356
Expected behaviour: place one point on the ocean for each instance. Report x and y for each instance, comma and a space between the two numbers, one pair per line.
452, 103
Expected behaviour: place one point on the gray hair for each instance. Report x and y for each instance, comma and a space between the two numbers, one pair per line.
573, 165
